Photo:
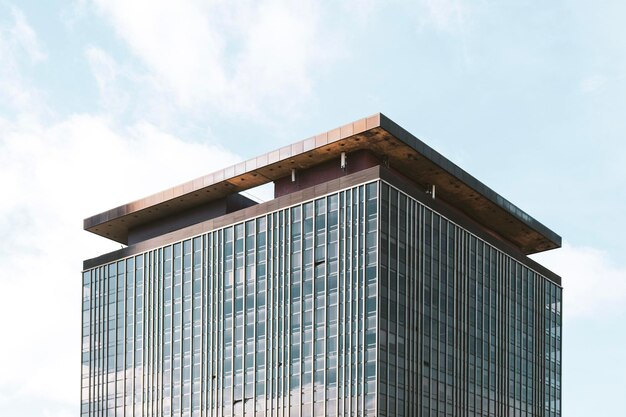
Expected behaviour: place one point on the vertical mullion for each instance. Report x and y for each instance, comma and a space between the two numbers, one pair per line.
107, 312
378, 291
103, 346
203, 325
357, 282
268, 315
325, 297
210, 317
286, 279
181, 325
268, 337
123, 372
234, 323
159, 318
100, 346
134, 337
144, 331
95, 338
105, 340
191, 324
410, 277
408, 263
283, 345
221, 324
302, 306
172, 309
254, 333
158, 334
149, 335
342, 322
314, 304
158, 311
152, 342
387, 251
216, 376
350, 292
417, 219
92, 342
269, 256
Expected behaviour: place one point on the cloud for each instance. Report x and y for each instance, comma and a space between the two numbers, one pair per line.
441, 15
175, 41
259, 59
593, 84
362, 10
53, 176
445, 15
246, 57
593, 286
18, 43
23, 34
107, 74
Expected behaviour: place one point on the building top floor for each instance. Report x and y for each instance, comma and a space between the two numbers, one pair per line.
375, 140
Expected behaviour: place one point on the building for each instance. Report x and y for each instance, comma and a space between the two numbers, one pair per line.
382, 280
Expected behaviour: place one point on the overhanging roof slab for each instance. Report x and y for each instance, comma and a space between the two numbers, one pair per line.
399, 149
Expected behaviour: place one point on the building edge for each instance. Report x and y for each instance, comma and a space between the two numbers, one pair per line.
368, 175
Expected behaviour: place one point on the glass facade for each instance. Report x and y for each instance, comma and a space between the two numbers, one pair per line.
464, 329
363, 302
272, 316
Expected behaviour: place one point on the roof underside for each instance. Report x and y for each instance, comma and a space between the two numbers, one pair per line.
403, 152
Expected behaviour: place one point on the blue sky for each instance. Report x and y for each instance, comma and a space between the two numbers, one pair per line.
103, 102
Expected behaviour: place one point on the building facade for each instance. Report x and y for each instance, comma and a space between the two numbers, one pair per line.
381, 280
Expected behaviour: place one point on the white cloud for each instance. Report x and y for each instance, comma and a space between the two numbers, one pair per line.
247, 57
362, 10
18, 43
107, 73
175, 41
593, 286
280, 50
54, 176
593, 84
447, 15
24, 35
441, 15
257, 58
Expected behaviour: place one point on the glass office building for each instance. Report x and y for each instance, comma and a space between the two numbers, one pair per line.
382, 280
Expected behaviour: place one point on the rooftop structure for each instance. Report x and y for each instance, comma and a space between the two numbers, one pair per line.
391, 145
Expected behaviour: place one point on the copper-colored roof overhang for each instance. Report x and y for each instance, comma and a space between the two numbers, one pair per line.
403, 152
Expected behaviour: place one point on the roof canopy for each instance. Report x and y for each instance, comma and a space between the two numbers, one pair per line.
400, 149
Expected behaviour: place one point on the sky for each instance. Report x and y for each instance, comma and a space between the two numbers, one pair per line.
104, 102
